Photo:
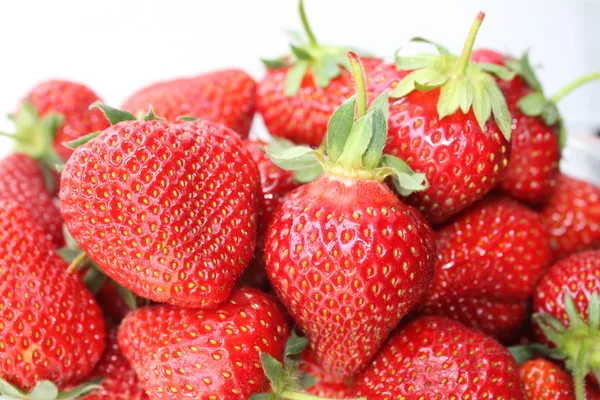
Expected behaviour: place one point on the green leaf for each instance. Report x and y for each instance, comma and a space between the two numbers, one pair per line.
127, 296
562, 134
187, 118
532, 104
294, 158
575, 320
465, 96
521, 353
6, 389
300, 53
51, 122
375, 149
482, 106
114, 115
68, 255
325, 69
441, 49
273, 370
44, 390
449, 100
308, 174
550, 115
358, 141
497, 70
425, 77
263, 396
552, 328
307, 381
405, 179
594, 312
274, 63
339, 127
81, 390
94, 279
150, 116
294, 78
417, 61
80, 141
523, 68
295, 345
294, 35
382, 103
499, 108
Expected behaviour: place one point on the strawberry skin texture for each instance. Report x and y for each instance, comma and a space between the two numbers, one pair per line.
437, 358
72, 100
461, 162
572, 216
579, 276
533, 168
543, 380
227, 97
349, 261
166, 210
50, 325
326, 386
22, 180
303, 118
490, 257
205, 354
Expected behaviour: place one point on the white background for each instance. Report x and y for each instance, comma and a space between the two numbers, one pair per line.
118, 46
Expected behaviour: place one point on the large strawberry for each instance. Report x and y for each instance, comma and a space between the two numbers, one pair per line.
168, 210
490, 258
51, 329
226, 96
275, 183
437, 358
300, 92
23, 180
568, 315
440, 125
202, 354
572, 216
345, 256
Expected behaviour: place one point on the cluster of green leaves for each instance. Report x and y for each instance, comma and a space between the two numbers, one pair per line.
46, 390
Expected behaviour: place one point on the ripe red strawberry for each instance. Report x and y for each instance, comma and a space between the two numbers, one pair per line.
347, 258
445, 130
567, 311
298, 94
186, 353
23, 181
490, 258
50, 326
226, 96
437, 358
543, 380
276, 183
572, 217
69, 100
322, 384
166, 210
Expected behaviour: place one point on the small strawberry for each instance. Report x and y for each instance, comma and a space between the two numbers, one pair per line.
202, 354
543, 380
23, 180
437, 358
320, 383
567, 313
51, 329
439, 123
226, 96
276, 183
572, 217
347, 258
167, 210
299, 93
490, 258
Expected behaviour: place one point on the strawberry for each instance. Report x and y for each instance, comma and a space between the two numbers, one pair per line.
276, 183
490, 258
572, 217
567, 313
202, 354
437, 358
23, 180
346, 257
299, 93
320, 382
167, 210
439, 123
51, 329
226, 96
543, 380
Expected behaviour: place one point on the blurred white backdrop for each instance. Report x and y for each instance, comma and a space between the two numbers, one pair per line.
117, 46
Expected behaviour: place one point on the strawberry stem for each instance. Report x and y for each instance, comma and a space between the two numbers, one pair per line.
311, 36
465, 56
79, 261
580, 371
289, 395
359, 82
12, 137
574, 85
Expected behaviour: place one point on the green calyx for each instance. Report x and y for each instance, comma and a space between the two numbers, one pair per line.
536, 104
578, 345
353, 147
286, 379
325, 62
34, 136
46, 390
463, 84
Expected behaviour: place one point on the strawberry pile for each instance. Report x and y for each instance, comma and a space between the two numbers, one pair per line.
404, 234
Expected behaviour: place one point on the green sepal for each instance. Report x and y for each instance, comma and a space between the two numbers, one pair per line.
274, 63
114, 115
294, 158
94, 278
187, 118
405, 179
374, 150
295, 345
358, 141
501, 72
307, 381
150, 116
426, 77
575, 320
442, 50
274, 372
294, 78
532, 104
326, 69
127, 295
521, 354
300, 53
46, 390
339, 127
524, 69
80, 141
263, 396
308, 174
